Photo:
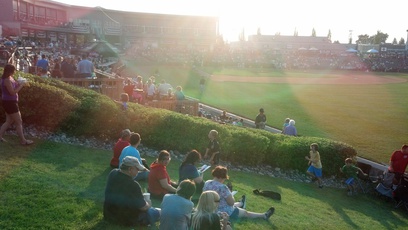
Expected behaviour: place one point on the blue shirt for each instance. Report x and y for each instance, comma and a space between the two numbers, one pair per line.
175, 212
188, 171
130, 151
42, 63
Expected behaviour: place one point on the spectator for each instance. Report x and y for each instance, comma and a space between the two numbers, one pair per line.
122, 142
151, 90
315, 165
285, 124
206, 217
128, 88
68, 68
202, 85
124, 202
260, 119
223, 116
42, 63
398, 164
213, 148
124, 99
188, 170
85, 67
163, 89
176, 208
43, 73
290, 130
227, 203
9, 98
159, 182
138, 90
56, 71
132, 151
179, 96
351, 172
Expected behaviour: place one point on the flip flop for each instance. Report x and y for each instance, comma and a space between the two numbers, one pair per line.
27, 142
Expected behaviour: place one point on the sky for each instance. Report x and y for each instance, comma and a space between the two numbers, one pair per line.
341, 17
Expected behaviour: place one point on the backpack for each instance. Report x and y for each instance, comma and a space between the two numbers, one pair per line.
270, 194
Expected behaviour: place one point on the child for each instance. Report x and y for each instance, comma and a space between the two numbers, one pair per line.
213, 148
124, 99
315, 165
351, 171
286, 124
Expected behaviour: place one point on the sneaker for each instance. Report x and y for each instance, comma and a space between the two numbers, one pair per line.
243, 201
321, 186
269, 213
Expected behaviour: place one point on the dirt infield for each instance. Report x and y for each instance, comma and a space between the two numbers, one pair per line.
336, 79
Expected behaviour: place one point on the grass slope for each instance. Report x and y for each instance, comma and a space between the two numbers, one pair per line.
58, 186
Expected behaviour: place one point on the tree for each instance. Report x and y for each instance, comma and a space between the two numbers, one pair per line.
401, 41
329, 35
241, 36
277, 33
363, 39
394, 42
313, 32
379, 38
350, 40
258, 32
295, 34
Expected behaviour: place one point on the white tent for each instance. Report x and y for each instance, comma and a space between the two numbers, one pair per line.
372, 51
351, 50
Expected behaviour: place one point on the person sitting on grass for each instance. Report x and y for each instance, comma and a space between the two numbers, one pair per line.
159, 183
206, 216
124, 202
351, 171
119, 146
176, 208
290, 130
131, 150
188, 170
227, 203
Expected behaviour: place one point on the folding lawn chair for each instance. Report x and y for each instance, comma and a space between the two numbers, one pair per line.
401, 194
366, 183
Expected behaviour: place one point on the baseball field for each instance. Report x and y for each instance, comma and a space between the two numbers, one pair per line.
367, 110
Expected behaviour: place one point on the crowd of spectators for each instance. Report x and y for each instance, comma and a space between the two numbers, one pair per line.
289, 59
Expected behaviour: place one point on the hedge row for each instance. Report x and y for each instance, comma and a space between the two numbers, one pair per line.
60, 107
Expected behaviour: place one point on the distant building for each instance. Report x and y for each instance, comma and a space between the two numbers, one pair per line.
49, 21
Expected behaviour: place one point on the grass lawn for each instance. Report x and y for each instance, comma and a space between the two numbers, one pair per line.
371, 118
58, 186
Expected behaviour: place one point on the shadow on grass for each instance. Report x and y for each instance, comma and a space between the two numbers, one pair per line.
372, 206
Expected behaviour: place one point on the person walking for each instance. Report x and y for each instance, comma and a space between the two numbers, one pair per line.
9, 97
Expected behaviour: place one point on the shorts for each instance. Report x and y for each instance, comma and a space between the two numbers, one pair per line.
350, 181
317, 172
235, 214
10, 107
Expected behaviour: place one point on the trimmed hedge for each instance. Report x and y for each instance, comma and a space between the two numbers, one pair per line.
60, 107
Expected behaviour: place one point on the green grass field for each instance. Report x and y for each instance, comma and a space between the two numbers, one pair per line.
371, 118
58, 186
